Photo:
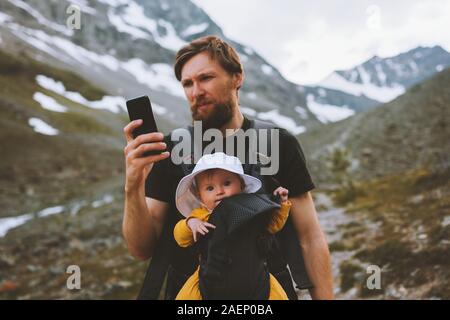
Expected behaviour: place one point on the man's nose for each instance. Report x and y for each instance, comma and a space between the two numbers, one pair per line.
197, 90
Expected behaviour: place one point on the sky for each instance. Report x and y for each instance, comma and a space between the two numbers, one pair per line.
307, 40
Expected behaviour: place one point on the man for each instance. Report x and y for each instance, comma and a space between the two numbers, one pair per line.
211, 75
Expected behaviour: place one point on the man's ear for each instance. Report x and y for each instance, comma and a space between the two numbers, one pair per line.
239, 79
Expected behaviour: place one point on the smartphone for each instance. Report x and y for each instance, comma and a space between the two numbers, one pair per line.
141, 108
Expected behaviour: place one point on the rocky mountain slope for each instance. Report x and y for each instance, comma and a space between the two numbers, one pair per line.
127, 48
389, 168
376, 81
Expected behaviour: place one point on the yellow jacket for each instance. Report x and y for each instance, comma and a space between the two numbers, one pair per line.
184, 237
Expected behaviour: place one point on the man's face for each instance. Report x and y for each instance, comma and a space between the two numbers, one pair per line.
210, 90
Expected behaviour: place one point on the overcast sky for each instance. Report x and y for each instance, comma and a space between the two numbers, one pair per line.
307, 40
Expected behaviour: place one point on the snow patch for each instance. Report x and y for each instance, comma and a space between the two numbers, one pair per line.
248, 111
49, 103
158, 76
41, 127
381, 75
322, 92
4, 17
251, 95
134, 22
50, 211
302, 112
249, 51
107, 198
195, 29
7, 224
84, 6
50, 84
171, 40
34, 41
382, 94
398, 68
49, 44
113, 104
328, 113
439, 68
414, 67
121, 26
165, 6
114, 3
41, 19
282, 121
267, 69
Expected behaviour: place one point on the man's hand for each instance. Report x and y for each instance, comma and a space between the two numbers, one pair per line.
137, 167
198, 226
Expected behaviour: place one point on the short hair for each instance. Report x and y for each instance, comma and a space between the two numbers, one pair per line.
217, 49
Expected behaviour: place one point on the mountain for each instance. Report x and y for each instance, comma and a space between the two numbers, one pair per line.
389, 168
127, 48
376, 81
407, 133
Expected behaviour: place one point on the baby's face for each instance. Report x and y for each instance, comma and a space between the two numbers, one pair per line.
214, 185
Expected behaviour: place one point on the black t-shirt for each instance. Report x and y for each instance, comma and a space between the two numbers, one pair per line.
293, 174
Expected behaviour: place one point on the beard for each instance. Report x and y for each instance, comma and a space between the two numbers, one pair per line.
220, 114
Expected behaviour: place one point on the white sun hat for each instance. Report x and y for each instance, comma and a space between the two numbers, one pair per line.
185, 197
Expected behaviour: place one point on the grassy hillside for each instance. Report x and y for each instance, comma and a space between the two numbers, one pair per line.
39, 170
401, 224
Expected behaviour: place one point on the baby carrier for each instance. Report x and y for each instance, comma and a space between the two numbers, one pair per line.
178, 264
233, 256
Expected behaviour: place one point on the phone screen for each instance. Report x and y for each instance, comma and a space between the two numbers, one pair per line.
141, 108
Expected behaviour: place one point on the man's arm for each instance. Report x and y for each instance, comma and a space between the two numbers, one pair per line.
142, 223
314, 246
143, 217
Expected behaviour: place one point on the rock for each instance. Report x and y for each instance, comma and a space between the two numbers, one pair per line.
445, 222
8, 286
56, 270
124, 284
76, 244
366, 152
33, 268
422, 236
416, 199
6, 261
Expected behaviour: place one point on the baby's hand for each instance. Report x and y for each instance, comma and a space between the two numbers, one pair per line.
283, 193
198, 226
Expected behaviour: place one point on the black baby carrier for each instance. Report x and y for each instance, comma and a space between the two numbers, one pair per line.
233, 256
174, 264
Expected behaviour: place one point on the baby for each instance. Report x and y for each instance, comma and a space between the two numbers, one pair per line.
215, 177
